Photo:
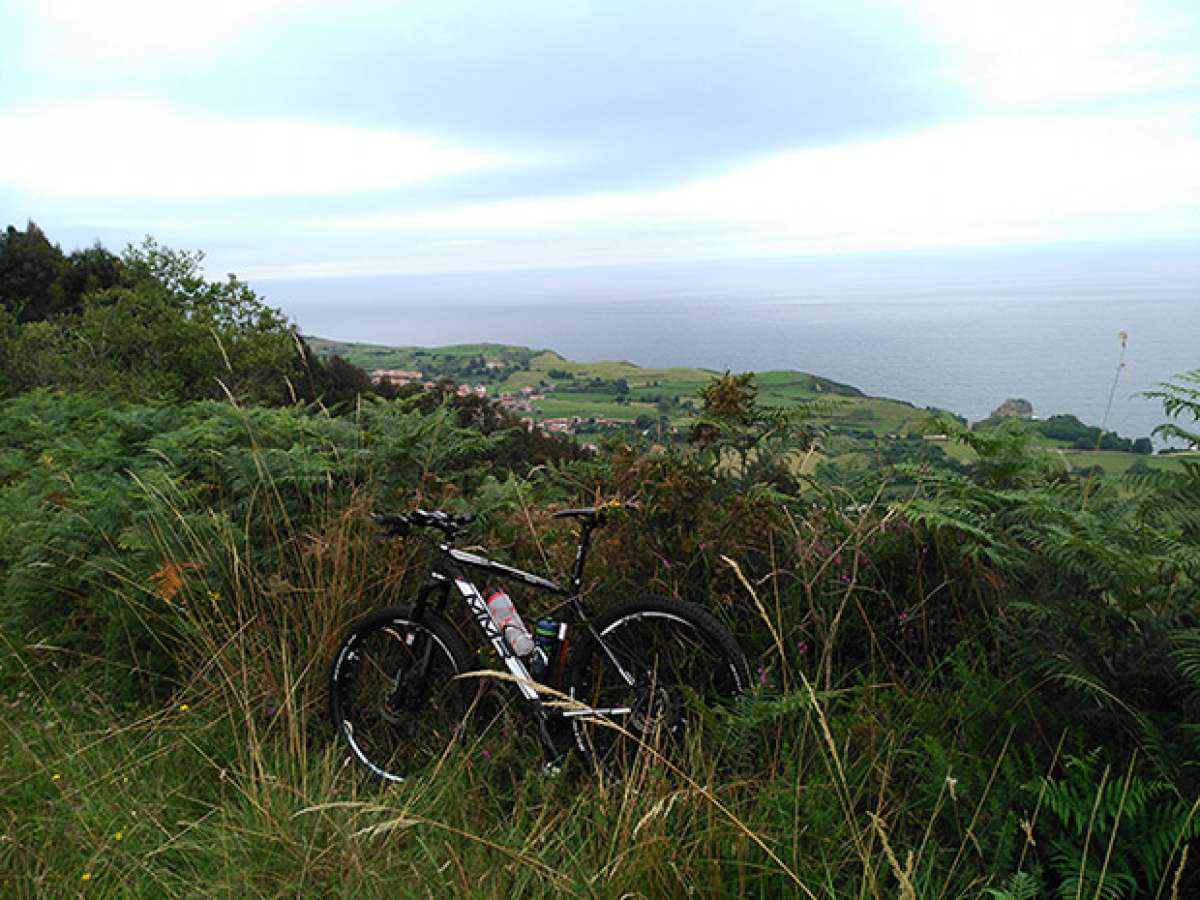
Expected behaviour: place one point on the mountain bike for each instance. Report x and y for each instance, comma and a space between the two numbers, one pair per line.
629, 678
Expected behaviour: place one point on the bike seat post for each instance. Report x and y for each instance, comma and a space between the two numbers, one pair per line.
581, 552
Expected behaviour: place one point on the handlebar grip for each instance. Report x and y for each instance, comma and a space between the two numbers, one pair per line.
403, 523
396, 523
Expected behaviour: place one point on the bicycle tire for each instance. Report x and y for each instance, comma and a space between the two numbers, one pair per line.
394, 714
678, 655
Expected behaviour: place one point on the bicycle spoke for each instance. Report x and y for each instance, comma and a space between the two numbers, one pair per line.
396, 697
645, 677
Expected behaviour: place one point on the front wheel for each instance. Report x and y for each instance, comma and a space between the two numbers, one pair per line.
393, 692
643, 677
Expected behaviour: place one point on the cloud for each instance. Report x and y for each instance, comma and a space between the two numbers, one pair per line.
469, 134
1030, 54
133, 34
638, 94
1004, 180
138, 149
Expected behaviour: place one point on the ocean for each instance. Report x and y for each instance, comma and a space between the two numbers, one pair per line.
961, 329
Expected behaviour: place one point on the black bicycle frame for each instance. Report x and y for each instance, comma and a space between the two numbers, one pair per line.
448, 572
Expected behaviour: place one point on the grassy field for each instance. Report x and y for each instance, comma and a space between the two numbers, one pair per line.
846, 405
379, 356
563, 405
1116, 462
673, 392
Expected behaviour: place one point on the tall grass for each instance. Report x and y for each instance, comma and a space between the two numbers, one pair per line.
235, 787
890, 749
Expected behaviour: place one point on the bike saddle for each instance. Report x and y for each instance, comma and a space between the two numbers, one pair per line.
593, 514
588, 512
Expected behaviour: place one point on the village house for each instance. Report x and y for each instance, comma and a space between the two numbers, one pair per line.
395, 376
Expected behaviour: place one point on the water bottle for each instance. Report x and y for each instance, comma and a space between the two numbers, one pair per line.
545, 640
504, 614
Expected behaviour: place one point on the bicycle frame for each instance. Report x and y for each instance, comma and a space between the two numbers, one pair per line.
449, 570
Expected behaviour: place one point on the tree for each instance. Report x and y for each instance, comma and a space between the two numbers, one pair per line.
335, 381
134, 342
86, 272
30, 267
225, 339
146, 325
9, 335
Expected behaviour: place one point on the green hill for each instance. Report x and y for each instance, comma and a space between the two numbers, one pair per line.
621, 390
614, 395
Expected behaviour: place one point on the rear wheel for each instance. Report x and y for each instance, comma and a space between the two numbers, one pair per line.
656, 663
393, 691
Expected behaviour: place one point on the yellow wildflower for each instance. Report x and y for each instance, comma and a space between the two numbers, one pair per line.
118, 835
86, 876
55, 777
183, 707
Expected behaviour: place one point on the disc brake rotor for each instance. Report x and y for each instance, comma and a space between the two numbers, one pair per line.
654, 706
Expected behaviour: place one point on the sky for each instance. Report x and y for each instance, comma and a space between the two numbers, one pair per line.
298, 138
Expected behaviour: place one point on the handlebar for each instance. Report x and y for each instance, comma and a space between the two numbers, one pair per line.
401, 524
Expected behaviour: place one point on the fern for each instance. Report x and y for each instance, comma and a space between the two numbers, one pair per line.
1020, 886
1187, 656
1180, 399
1084, 807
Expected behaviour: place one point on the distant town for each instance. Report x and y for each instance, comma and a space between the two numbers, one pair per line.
521, 402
